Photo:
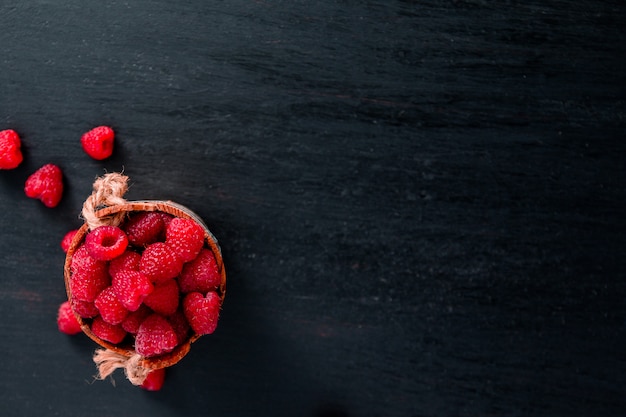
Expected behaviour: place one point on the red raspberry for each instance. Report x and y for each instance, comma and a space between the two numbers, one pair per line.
202, 312
180, 325
201, 274
164, 298
145, 228
128, 261
88, 276
110, 308
154, 380
106, 242
167, 219
66, 320
160, 263
81, 260
10, 153
113, 333
131, 288
155, 336
46, 184
85, 309
67, 239
134, 319
98, 142
185, 237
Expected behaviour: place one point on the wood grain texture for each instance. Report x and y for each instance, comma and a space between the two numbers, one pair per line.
420, 204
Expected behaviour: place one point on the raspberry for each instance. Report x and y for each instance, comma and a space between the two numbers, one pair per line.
145, 228
180, 325
201, 274
86, 287
113, 333
85, 309
10, 153
185, 237
155, 336
202, 312
134, 319
110, 308
131, 287
82, 261
66, 320
160, 263
127, 261
46, 184
154, 380
167, 219
164, 298
88, 276
98, 142
106, 242
67, 239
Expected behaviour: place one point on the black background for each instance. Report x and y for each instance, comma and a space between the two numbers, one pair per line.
420, 203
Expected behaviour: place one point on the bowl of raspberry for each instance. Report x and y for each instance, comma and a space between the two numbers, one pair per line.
146, 281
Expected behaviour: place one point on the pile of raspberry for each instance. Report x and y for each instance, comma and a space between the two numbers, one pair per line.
150, 283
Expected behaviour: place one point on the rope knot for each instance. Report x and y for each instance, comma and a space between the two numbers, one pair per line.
107, 191
108, 361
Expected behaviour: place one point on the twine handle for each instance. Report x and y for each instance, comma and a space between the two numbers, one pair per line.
108, 361
107, 191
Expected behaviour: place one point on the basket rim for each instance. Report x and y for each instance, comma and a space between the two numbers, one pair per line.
166, 206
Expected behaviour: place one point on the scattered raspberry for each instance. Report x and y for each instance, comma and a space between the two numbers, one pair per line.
154, 380
180, 325
67, 239
145, 228
85, 309
164, 298
155, 336
106, 242
202, 312
110, 308
134, 319
160, 263
113, 333
185, 237
88, 276
201, 274
10, 153
127, 261
98, 142
66, 320
46, 184
131, 288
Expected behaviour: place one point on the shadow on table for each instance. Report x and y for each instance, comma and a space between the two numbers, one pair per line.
245, 368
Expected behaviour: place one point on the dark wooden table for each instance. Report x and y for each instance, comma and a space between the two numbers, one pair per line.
420, 203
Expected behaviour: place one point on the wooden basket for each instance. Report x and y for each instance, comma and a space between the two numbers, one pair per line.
177, 210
